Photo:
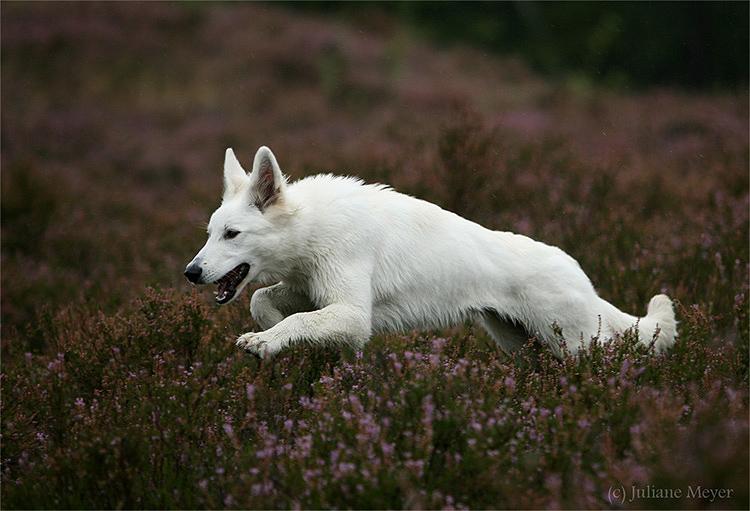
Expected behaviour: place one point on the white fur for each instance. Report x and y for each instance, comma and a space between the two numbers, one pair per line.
349, 259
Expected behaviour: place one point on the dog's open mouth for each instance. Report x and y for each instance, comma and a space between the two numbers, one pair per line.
227, 285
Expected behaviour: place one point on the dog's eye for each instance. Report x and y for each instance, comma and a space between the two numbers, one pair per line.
229, 234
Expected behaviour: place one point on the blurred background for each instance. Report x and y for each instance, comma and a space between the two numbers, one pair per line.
691, 45
616, 131
534, 117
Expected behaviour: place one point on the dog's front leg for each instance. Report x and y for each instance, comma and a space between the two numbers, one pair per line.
270, 305
338, 323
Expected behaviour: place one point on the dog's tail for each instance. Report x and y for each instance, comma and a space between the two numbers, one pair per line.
659, 324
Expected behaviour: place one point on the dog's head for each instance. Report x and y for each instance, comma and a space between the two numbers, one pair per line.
242, 233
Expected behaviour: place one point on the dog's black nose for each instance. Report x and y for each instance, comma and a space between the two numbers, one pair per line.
193, 273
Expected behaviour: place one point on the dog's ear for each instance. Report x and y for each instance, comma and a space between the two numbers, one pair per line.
267, 183
234, 174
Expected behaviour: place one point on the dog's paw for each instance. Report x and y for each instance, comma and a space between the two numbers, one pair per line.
254, 344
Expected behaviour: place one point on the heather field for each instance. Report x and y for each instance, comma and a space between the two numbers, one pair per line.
121, 384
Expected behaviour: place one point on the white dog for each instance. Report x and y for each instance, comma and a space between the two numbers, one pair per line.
349, 259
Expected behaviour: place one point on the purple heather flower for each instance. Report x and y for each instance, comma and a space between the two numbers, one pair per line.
624, 368
387, 448
416, 465
345, 468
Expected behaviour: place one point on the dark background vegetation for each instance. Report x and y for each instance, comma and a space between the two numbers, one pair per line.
616, 131
620, 44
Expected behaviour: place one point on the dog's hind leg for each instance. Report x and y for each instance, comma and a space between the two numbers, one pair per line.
270, 305
508, 335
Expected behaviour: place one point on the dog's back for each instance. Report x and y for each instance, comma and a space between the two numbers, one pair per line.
429, 268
